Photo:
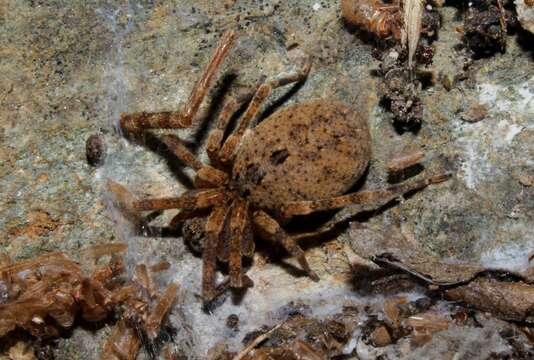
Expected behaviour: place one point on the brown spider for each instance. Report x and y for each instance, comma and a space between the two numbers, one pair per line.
299, 160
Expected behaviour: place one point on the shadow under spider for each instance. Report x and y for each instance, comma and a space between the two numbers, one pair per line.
153, 143
271, 108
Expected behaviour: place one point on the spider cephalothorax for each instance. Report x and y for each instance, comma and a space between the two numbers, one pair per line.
299, 160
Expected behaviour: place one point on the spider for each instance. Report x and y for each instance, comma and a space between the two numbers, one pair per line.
299, 160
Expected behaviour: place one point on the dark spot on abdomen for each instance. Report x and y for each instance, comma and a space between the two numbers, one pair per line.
278, 157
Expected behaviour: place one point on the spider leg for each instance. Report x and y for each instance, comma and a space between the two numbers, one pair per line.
207, 176
214, 227
186, 215
136, 122
227, 152
190, 200
360, 201
216, 135
238, 221
124, 200
270, 227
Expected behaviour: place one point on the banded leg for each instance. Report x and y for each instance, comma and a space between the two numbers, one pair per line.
206, 175
227, 152
360, 201
190, 200
137, 122
214, 227
216, 135
270, 227
238, 221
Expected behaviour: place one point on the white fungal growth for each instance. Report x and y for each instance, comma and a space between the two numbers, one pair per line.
483, 143
512, 257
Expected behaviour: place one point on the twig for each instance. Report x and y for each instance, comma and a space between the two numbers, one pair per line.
256, 342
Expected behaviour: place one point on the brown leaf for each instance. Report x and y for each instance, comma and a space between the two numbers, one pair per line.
506, 300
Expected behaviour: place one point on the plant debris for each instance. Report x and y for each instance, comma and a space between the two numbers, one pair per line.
507, 295
506, 300
394, 327
45, 295
299, 337
485, 27
403, 33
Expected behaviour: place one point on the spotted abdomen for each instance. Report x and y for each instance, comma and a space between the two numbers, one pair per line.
311, 150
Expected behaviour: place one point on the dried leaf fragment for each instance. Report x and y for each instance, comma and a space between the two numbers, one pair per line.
161, 266
507, 300
97, 251
142, 278
380, 336
161, 309
123, 343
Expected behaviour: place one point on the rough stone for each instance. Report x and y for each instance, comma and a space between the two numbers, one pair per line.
69, 68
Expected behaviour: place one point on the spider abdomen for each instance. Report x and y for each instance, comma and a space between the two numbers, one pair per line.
307, 151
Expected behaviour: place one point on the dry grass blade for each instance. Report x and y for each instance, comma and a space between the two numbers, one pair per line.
142, 278
413, 15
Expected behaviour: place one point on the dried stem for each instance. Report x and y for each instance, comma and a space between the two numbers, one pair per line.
413, 15
256, 342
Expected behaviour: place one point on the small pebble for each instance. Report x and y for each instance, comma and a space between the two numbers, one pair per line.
526, 179
380, 337
95, 150
474, 113
232, 322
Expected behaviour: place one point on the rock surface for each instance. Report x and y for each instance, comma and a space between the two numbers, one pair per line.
69, 68
525, 14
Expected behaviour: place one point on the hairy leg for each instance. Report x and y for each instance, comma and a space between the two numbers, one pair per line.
227, 152
216, 135
359, 201
238, 221
190, 200
137, 122
270, 227
214, 227
186, 215
124, 200
207, 176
